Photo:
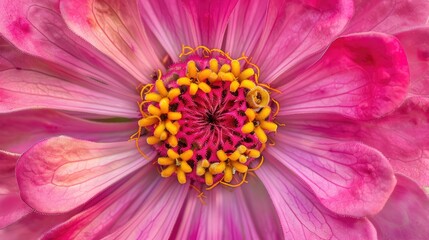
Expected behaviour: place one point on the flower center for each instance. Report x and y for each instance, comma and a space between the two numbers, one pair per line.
208, 118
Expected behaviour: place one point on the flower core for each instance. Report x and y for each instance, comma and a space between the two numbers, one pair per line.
208, 118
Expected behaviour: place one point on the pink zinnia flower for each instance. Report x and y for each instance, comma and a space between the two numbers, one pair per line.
190, 119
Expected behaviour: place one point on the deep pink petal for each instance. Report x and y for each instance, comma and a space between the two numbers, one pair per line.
12, 208
406, 214
361, 76
243, 213
60, 174
388, 16
36, 27
301, 214
187, 22
415, 43
22, 89
296, 29
349, 178
115, 28
21, 130
401, 136
146, 196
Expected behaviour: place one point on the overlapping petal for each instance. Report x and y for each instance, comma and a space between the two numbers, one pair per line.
24, 89
62, 173
349, 178
388, 16
116, 29
301, 214
21, 130
361, 76
405, 215
12, 208
37, 28
187, 22
143, 194
243, 213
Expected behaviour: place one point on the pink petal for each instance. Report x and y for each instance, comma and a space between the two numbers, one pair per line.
301, 214
22, 89
145, 197
32, 226
415, 43
242, 213
37, 28
349, 178
114, 27
296, 29
361, 76
21, 130
60, 174
12, 208
187, 22
406, 214
401, 136
388, 16
245, 27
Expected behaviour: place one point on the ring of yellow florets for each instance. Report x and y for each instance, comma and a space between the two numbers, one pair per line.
166, 103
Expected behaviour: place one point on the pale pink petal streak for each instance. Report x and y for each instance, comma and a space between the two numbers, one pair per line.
60, 174
12, 208
361, 76
301, 214
406, 214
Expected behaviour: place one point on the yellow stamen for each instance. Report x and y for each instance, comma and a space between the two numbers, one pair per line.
250, 113
214, 65
172, 154
208, 177
159, 129
164, 105
248, 127
204, 74
204, 87
235, 155
242, 159
246, 74
264, 113
183, 81
193, 88
172, 141
154, 110
225, 68
168, 171
173, 116
226, 76
234, 86
192, 69
241, 149
181, 176
261, 135
247, 84
216, 168
173, 93
235, 67
258, 97
269, 126
213, 77
185, 167
160, 87
205, 163
228, 174
165, 161
152, 140
154, 97
239, 167
221, 155
185, 156
144, 122
253, 153
163, 136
